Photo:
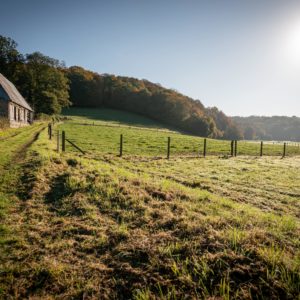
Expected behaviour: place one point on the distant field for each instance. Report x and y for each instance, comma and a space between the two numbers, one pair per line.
97, 131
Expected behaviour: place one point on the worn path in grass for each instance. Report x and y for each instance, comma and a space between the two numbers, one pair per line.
13, 147
113, 228
15, 142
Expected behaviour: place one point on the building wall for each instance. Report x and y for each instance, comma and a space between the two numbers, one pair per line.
19, 116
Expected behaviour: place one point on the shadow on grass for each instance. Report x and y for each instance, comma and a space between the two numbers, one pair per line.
27, 179
113, 115
58, 190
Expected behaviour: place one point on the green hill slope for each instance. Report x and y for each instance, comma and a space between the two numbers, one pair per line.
112, 117
88, 89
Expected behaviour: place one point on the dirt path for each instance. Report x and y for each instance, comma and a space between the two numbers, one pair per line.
13, 148
21, 153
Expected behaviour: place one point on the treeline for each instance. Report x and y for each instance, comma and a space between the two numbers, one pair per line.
49, 86
89, 89
277, 128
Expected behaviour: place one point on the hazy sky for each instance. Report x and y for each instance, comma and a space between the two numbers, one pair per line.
242, 56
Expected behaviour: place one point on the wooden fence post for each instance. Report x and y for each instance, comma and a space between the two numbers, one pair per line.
231, 152
50, 131
284, 150
235, 148
261, 148
204, 148
57, 140
121, 145
168, 149
63, 141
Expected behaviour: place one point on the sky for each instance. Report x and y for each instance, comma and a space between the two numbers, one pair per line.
242, 56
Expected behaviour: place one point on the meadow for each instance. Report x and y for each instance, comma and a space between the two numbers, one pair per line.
99, 226
97, 131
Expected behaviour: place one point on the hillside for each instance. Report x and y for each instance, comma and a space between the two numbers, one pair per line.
141, 227
277, 128
88, 89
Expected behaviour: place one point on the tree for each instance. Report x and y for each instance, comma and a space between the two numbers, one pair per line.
227, 128
10, 58
48, 87
86, 88
249, 133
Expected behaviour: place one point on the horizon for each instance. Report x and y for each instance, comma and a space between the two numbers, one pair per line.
243, 58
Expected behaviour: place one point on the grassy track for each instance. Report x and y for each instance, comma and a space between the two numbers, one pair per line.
13, 144
103, 227
12, 140
101, 135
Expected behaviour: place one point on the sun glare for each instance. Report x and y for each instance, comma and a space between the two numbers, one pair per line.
293, 44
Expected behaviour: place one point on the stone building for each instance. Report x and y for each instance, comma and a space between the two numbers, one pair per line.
13, 106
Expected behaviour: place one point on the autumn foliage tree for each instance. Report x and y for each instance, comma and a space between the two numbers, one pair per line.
148, 99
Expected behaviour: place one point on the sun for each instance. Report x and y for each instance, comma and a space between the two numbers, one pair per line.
293, 43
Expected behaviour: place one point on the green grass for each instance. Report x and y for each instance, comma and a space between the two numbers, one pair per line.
109, 116
97, 131
12, 143
101, 226
12, 140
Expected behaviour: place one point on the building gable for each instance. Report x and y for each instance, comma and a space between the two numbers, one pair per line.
12, 93
13, 106
3, 94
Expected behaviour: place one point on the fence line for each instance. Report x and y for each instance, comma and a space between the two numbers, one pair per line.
75, 146
172, 148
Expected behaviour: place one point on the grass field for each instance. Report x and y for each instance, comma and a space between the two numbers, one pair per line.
99, 130
98, 226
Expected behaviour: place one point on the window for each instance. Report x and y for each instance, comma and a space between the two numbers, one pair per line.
15, 113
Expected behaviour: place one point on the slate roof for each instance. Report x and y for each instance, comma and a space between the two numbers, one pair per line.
12, 93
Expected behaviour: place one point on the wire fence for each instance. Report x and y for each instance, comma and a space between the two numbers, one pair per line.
130, 142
